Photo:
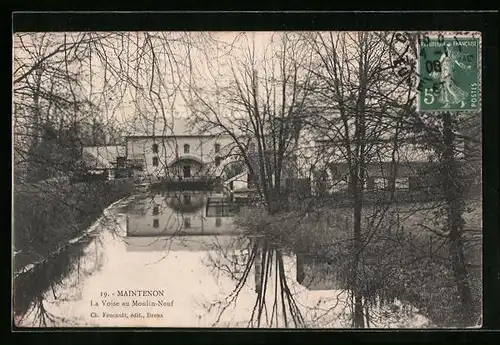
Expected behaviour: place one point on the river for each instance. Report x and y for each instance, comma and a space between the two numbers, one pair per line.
179, 260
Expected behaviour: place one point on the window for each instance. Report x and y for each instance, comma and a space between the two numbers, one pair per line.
217, 148
155, 148
156, 223
370, 183
218, 222
120, 162
186, 148
402, 183
155, 161
217, 161
187, 223
156, 210
238, 263
380, 183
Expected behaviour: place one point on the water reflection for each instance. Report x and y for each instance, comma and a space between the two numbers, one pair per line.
188, 246
319, 274
180, 214
55, 281
275, 303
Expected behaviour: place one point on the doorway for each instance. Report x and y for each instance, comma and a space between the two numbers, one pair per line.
187, 171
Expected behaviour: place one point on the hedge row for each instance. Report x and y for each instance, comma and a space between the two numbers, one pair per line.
48, 214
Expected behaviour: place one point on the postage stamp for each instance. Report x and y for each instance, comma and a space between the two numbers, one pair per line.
449, 69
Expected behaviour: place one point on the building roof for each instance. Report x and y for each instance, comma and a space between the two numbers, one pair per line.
242, 176
102, 156
175, 126
383, 154
194, 243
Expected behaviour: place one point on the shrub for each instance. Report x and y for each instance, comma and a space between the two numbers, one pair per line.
48, 214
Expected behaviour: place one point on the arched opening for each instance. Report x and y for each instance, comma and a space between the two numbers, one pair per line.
186, 168
183, 203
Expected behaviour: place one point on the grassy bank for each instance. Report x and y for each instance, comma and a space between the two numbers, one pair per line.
403, 255
48, 214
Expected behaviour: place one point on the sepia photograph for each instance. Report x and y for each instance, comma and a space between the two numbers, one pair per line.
255, 179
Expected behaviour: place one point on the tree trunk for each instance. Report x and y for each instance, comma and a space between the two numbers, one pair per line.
454, 200
358, 321
357, 185
358, 180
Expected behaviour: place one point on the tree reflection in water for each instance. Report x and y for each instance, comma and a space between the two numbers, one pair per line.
279, 300
265, 260
39, 286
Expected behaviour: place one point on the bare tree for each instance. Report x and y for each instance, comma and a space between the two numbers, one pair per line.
354, 92
258, 96
455, 139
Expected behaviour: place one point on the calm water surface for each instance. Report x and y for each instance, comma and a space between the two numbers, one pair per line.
178, 260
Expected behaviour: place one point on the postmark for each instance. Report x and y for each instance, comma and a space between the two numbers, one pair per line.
449, 71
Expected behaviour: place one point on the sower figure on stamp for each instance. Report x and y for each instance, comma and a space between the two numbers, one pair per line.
450, 92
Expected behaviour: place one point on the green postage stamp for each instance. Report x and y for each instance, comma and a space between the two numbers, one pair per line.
449, 69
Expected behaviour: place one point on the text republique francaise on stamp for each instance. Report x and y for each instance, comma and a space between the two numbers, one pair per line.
449, 69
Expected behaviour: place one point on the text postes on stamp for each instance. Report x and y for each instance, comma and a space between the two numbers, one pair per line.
449, 68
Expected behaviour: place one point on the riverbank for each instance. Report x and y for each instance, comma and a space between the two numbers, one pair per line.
48, 215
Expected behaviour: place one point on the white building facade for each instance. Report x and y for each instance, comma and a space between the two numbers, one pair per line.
179, 156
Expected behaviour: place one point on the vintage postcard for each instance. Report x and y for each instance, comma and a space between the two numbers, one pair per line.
247, 179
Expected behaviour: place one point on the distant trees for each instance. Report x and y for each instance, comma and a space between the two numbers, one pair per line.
57, 99
233, 169
56, 111
48, 102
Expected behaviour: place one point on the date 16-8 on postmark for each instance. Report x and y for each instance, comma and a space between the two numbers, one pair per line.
449, 69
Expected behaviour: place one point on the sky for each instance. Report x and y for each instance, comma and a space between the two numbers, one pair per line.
117, 56
138, 78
